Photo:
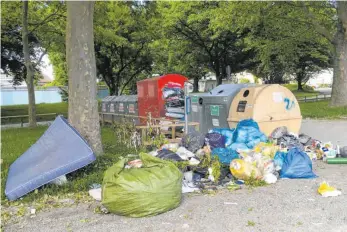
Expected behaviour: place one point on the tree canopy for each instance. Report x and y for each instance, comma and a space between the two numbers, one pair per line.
133, 40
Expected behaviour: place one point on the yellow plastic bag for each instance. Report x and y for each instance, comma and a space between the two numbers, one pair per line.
243, 170
266, 149
327, 191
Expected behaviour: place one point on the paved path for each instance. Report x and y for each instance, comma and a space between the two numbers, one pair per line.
288, 205
323, 90
325, 130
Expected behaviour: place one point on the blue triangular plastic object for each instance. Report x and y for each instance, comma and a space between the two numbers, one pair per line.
59, 151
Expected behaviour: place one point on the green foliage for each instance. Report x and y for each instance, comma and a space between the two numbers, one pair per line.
216, 166
283, 35
121, 44
187, 26
244, 81
253, 182
45, 27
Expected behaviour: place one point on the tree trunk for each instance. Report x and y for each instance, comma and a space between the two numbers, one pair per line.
339, 88
196, 84
299, 79
80, 55
218, 74
29, 69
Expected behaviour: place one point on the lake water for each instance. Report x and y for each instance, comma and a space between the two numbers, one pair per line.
11, 96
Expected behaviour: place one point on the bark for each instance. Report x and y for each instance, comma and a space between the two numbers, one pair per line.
299, 79
217, 70
339, 88
80, 55
29, 68
196, 84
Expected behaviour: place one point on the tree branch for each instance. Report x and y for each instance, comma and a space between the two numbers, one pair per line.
320, 29
45, 20
131, 78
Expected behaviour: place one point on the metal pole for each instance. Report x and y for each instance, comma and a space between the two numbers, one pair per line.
185, 108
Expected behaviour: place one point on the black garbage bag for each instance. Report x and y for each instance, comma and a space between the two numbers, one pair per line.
168, 155
279, 132
290, 141
304, 139
193, 141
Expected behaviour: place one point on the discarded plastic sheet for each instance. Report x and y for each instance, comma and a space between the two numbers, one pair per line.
59, 151
184, 153
168, 155
95, 193
189, 187
327, 191
61, 180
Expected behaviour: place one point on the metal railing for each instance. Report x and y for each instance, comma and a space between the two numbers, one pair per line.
316, 98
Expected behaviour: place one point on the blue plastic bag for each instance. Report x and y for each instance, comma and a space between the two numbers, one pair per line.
279, 159
225, 155
236, 146
297, 164
247, 132
228, 133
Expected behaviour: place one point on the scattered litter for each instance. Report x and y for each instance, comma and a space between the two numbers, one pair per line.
327, 191
32, 211
95, 193
230, 203
188, 187
61, 180
153, 153
270, 178
194, 161
184, 153
193, 141
135, 163
168, 155
343, 152
337, 161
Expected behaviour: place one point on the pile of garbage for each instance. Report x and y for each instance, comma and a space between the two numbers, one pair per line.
173, 96
222, 158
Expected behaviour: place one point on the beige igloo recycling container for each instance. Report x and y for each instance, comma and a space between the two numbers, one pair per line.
271, 106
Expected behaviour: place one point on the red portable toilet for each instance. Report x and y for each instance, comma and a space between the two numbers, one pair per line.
150, 93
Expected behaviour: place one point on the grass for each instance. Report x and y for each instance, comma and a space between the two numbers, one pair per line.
321, 109
44, 108
307, 91
17, 141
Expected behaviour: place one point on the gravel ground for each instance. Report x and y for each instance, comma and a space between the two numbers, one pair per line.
288, 205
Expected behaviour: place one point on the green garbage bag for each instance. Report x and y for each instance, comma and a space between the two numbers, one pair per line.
138, 192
